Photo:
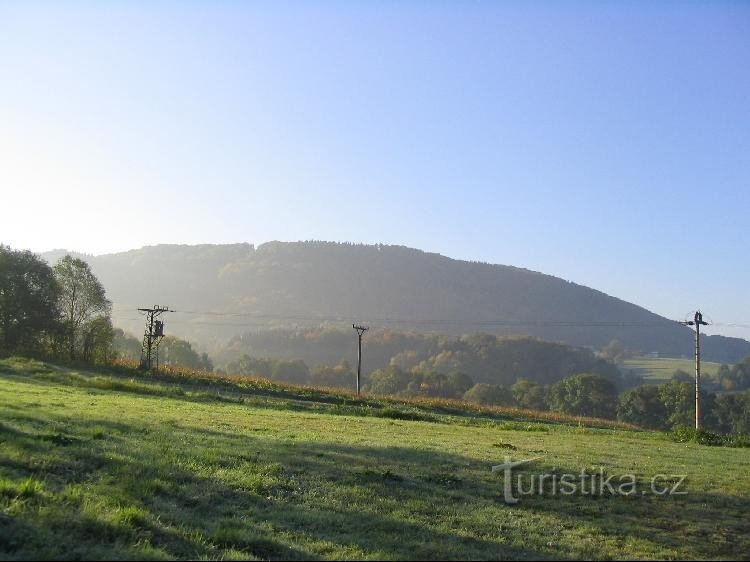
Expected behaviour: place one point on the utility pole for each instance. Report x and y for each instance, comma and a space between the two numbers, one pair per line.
360, 330
152, 336
697, 321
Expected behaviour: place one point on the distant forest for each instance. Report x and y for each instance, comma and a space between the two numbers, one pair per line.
485, 358
63, 313
487, 369
221, 291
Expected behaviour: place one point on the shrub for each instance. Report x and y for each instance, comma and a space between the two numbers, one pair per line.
683, 434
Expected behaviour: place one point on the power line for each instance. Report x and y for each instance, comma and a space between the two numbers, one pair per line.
440, 321
466, 322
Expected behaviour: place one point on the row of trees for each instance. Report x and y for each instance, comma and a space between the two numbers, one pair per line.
285, 370
59, 311
584, 394
294, 371
63, 312
672, 404
394, 381
664, 406
486, 358
661, 406
173, 352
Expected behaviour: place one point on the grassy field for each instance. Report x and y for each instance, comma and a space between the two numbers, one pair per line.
662, 369
112, 465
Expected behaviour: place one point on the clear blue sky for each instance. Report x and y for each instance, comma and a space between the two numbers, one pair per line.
607, 143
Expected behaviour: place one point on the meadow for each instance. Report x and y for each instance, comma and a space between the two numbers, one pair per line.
112, 464
661, 369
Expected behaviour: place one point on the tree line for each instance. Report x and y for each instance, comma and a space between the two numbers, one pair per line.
173, 352
59, 311
486, 358
62, 312
664, 406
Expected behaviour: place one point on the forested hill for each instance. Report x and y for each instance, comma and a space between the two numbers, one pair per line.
282, 284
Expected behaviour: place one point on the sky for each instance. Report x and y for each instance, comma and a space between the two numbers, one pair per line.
607, 143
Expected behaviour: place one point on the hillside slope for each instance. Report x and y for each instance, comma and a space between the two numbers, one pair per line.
306, 283
104, 466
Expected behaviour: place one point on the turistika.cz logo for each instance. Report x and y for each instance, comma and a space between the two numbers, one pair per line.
585, 483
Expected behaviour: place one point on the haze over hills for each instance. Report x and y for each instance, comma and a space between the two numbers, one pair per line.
221, 291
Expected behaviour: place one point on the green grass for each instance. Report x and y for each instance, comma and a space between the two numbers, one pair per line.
107, 464
661, 369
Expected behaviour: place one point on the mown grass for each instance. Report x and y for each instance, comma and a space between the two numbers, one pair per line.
105, 464
661, 369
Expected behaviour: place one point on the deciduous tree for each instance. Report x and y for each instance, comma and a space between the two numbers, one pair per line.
82, 300
584, 395
28, 301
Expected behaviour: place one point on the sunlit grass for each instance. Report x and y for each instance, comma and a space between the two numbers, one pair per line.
385, 406
109, 464
661, 369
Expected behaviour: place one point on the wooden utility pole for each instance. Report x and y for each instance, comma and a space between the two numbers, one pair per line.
697, 322
152, 336
360, 331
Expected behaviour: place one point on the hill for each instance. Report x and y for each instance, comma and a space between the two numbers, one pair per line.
311, 283
110, 465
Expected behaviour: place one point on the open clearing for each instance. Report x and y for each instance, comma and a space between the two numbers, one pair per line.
108, 465
657, 370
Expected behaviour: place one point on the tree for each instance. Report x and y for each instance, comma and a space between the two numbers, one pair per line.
584, 395
678, 398
615, 352
490, 394
391, 380
430, 383
643, 406
28, 301
530, 395
247, 365
742, 370
98, 337
82, 300
291, 370
125, 345
177, 352
726, 379
736, 378
629, 379
340, 376
459, 383
731, 412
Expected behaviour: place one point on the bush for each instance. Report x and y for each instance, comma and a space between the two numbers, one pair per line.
683, 434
